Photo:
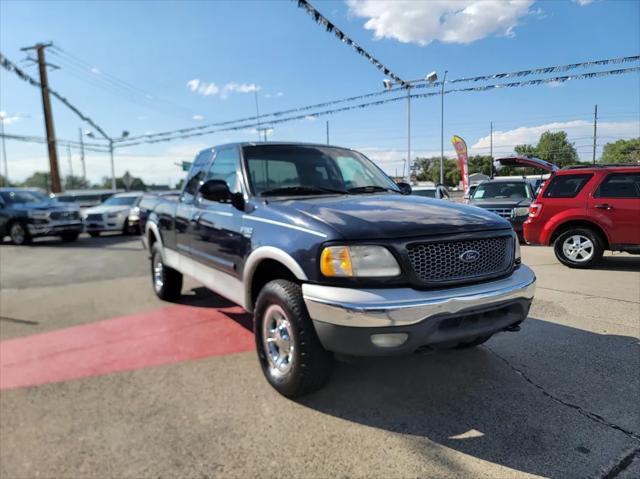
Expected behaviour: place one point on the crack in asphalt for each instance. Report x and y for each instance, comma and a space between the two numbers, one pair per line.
591, 415
588, 296
621, 465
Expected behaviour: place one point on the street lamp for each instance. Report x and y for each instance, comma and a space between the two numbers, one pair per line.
124, 135
388, 84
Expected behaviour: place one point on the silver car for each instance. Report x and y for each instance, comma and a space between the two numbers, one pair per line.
119, 213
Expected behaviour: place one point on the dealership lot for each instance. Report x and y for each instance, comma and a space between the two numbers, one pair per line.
101, 379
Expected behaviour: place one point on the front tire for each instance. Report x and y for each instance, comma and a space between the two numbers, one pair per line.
290, 354
69, 237
578, 248
94, 234
19, 234
167, 282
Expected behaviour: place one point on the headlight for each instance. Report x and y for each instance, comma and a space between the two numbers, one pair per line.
358, 261
43, 215
517, 258
114, 215
521, 211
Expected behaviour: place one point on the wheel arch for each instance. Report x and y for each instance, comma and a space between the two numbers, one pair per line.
579, 223
265, 264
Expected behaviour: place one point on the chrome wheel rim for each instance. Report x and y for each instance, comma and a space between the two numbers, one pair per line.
17, 233
277, 340
578, 248
158, 273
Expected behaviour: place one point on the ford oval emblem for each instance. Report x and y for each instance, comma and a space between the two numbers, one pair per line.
470, 256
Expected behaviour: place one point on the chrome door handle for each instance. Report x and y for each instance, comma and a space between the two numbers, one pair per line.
604, 206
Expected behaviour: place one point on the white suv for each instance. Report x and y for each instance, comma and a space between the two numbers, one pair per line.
118, 213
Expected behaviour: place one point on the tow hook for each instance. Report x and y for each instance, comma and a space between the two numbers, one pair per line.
514, 328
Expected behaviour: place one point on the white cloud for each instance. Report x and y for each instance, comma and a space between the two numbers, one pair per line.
211, 89
279, 94
267, 95
392, 161
582, 3
197, 117
449, 21
10, 119
578, 131
96, 70
310, 118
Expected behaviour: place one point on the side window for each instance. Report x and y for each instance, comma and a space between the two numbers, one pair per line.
566, 186
225, 168
270, 174
195, 176
620, 185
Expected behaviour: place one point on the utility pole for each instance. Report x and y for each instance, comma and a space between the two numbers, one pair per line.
408, 131
491, 146
4, 152
48, 116
69, 159
84, 167
327, 132
113, 168
255, 92
595, 132
442, 128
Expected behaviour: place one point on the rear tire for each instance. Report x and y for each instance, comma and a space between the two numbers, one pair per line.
69, 237
19, 234
166, 281
578, 248
290, 354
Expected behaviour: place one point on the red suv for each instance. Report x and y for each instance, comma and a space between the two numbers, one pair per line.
583, 211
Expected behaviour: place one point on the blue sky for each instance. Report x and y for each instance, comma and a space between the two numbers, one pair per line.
160, 48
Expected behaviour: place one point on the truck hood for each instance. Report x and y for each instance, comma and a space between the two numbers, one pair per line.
502, 203
102, 209
389, 215
43, 206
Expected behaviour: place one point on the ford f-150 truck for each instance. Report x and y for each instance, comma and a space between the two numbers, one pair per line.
331, 256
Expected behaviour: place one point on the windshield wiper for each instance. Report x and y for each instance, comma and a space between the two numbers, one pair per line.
370, 189
301, 190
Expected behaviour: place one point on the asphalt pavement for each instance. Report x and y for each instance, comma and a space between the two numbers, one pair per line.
101, 379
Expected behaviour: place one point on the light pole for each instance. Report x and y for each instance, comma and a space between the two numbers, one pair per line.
125, 134
444, 79
4, 150
388, 84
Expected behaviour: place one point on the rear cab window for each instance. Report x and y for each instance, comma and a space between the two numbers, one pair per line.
619, 185
566, 186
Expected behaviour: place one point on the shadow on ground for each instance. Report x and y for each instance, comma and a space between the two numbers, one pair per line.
107, 240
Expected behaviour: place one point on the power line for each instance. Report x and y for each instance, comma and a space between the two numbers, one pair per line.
331, 28
12, 67
186, 134
37, 139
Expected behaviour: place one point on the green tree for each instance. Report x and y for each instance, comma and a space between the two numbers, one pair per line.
621, 151
75, 183
555, 148
525, 150
480, 164
3, 181
136, 184
40, 179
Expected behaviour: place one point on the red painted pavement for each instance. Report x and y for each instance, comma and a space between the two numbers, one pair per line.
164, 336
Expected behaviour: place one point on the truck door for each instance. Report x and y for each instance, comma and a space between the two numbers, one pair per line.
186, 210
216, 235
615, 204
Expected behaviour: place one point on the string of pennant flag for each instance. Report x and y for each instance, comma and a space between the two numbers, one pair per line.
315, 114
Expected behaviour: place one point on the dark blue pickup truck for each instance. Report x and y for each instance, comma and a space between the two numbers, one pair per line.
331, 256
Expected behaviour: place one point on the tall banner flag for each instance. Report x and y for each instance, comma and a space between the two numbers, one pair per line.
463, 160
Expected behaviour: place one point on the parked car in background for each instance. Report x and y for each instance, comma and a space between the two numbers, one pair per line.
83, 198
508, 198
583, 211
330, 256
438, 192
119, 213
27, 213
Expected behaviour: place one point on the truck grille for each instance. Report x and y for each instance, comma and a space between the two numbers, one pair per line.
504, 212
446, 260
64, 215
94, 217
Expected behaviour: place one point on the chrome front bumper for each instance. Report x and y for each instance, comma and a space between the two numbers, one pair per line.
405, 306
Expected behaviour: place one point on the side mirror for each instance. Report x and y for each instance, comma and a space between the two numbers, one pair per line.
405, 188
215, 190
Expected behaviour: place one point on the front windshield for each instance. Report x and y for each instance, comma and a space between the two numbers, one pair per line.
502, 190
293, 170
13, 197
121, 200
